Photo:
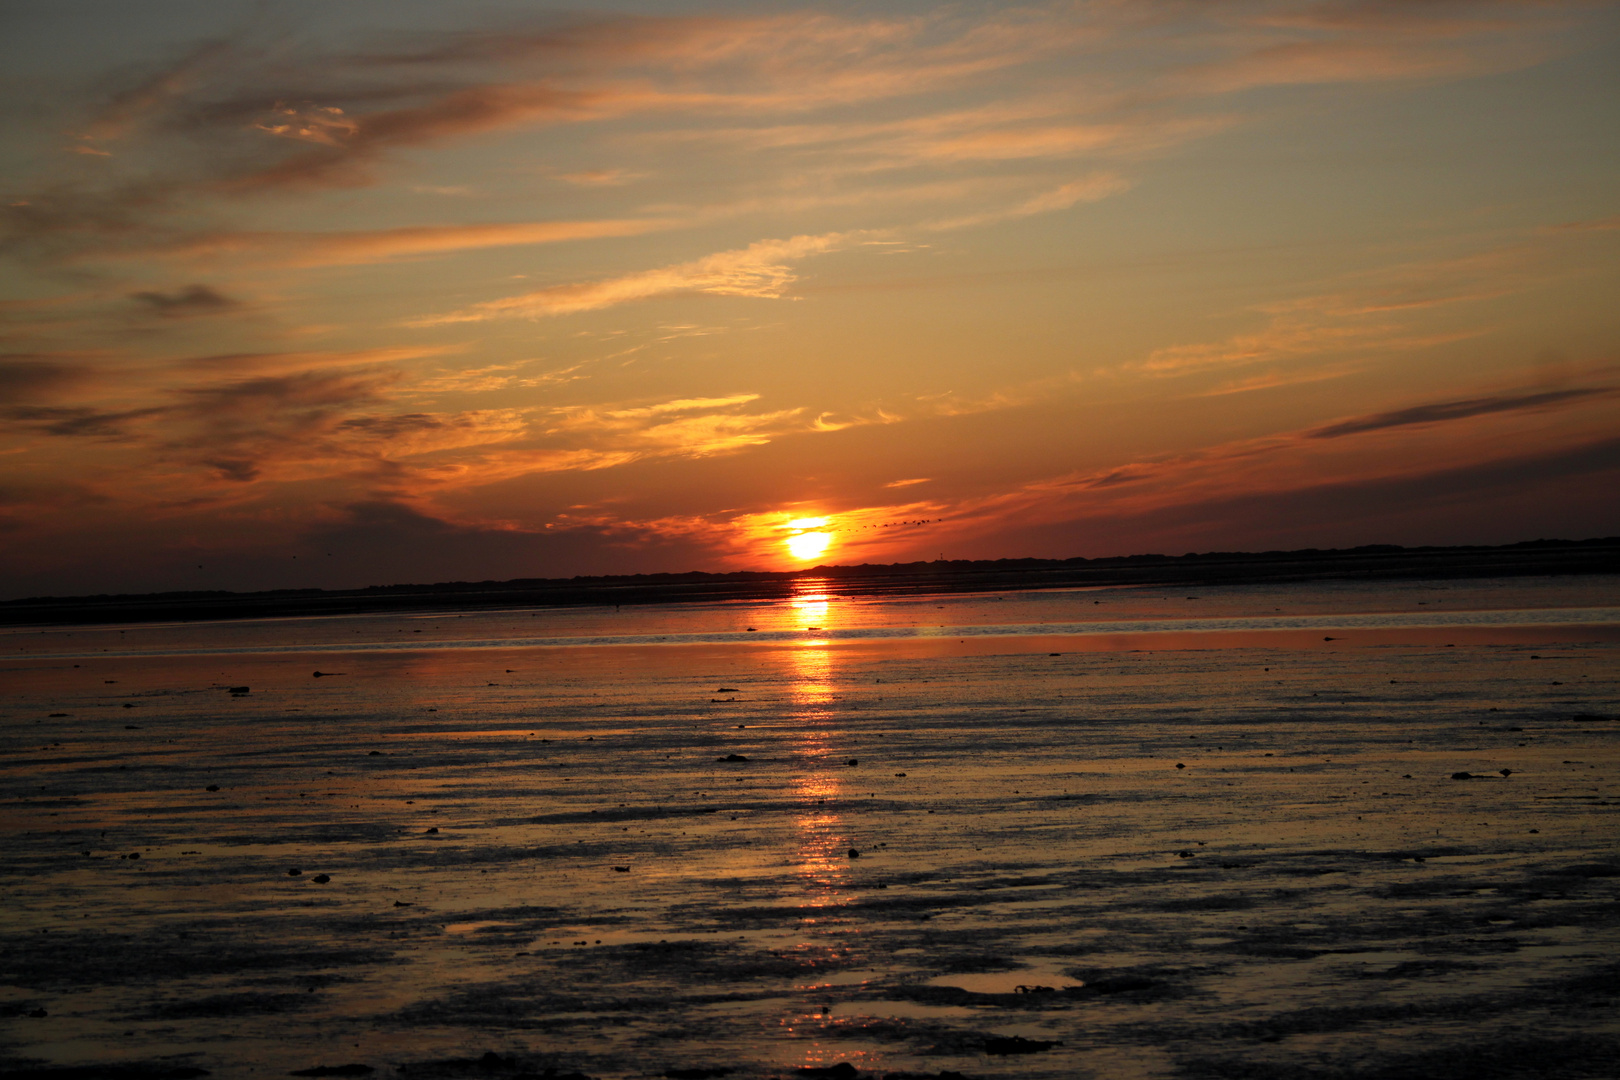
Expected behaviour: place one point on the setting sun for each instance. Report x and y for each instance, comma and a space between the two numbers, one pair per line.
808, 545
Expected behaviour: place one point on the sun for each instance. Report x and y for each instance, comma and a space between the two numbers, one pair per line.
808, 537
808, 545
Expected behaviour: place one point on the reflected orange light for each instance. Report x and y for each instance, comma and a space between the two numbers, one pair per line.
810, 605
823, 865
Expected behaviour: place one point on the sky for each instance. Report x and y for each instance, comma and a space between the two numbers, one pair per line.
334, 295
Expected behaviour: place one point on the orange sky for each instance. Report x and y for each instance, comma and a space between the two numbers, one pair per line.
354, 294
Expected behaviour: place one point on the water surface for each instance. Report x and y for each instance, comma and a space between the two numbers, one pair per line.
1171, 835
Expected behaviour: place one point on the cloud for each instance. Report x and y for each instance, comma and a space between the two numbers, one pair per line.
1362, 318
1284, 339
1508, 497
684, 427
600, 177
760, 270
1087, 189
1062, 140
308, 389
280, 363
1437, 412
344, 248
1606, 224
127, 108
25, 376
408, 435
1225, 464
1378, 41
183, 303
592, 438
680, 405
346, 146
77, 421
378, 541
246, 116
494, 377
1273, 379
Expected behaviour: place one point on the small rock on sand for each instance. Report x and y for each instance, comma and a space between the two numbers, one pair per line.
731, 757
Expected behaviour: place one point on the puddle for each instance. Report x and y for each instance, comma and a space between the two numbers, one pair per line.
1212, 941
474, 927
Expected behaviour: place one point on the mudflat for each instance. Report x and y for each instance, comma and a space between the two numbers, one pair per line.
1300, 831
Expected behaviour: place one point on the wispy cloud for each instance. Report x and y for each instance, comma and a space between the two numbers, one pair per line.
32, 376
600, 177
345, 248
1087, 189
1437, 412
187, 302
761, 270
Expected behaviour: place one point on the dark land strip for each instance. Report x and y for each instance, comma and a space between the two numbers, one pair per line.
1377, 562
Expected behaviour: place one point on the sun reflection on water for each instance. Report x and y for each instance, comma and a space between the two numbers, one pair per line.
823, 841
812, 608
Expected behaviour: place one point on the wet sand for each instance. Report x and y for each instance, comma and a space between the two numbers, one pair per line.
1167, 854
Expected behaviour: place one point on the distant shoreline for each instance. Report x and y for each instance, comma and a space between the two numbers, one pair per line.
1379, 562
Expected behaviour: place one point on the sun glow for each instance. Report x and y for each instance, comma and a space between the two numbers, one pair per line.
808, 537
808, 545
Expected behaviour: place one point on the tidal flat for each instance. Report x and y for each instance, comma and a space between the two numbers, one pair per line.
1325, 831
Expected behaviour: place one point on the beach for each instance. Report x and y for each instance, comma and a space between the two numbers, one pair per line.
1322, 830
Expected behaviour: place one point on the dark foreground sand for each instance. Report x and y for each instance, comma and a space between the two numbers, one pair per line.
1248, 860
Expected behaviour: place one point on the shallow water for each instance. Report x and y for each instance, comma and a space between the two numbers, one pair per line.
1209, 837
